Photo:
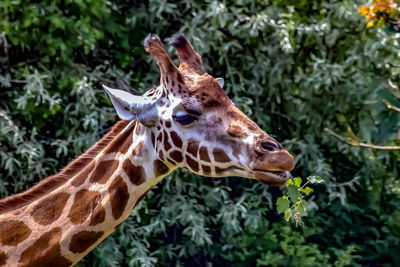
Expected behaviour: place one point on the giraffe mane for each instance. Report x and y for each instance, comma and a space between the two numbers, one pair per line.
52, 182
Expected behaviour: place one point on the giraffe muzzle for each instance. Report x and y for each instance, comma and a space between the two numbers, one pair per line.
272, 178
278, 175
275, 168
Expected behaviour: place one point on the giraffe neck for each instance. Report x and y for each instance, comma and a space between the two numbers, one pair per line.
62, 225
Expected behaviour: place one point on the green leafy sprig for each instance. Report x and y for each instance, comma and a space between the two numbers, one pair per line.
293, 204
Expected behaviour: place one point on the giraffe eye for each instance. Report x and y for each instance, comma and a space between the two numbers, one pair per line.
184, 118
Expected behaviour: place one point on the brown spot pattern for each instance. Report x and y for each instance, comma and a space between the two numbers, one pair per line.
81, 241
167, 146
176, 155
85, 202
138, 150
3, 258
193, 147
219, 170
45, 251
121, 142
153, 139
119, 197
239, 117
160, 168
206, 170
168, 124
49, 184
176, 139
98, 216
103, 171
50, 208
220, 155
140, 198
159, 137
192, 164
161, 155
180, 78
135, 173
206, 84
81, 177
138, 128
13, 232
204, 154
237, 131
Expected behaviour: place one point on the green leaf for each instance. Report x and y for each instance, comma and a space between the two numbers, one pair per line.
302, 208
293, 192
297, 181
307, 190
351, 137
288, 214
282, 204
315, 179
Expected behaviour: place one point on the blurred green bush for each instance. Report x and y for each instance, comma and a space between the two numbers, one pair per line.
295, 67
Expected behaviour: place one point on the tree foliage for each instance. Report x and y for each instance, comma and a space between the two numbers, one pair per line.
295, 67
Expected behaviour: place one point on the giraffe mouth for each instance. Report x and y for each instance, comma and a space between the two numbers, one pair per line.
272, 177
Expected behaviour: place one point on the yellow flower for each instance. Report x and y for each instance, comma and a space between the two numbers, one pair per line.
363, 10
371, 16
379, 11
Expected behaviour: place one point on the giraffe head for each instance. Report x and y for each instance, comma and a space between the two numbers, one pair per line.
193, 124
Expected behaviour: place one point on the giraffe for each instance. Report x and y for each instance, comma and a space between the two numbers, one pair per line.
187, 121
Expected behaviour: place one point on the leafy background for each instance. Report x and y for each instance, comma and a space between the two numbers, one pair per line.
296, 67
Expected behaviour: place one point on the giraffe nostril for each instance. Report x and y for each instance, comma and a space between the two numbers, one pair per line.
269, 146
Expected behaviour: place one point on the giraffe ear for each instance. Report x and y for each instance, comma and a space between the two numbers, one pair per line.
220, 82
121, 101
131, 107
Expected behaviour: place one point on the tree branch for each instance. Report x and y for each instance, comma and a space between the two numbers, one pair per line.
356, 143
390, 106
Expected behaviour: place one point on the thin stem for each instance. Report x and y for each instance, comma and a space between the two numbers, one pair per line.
304, 185
301, 195
18, 81
390, 106
348, 141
